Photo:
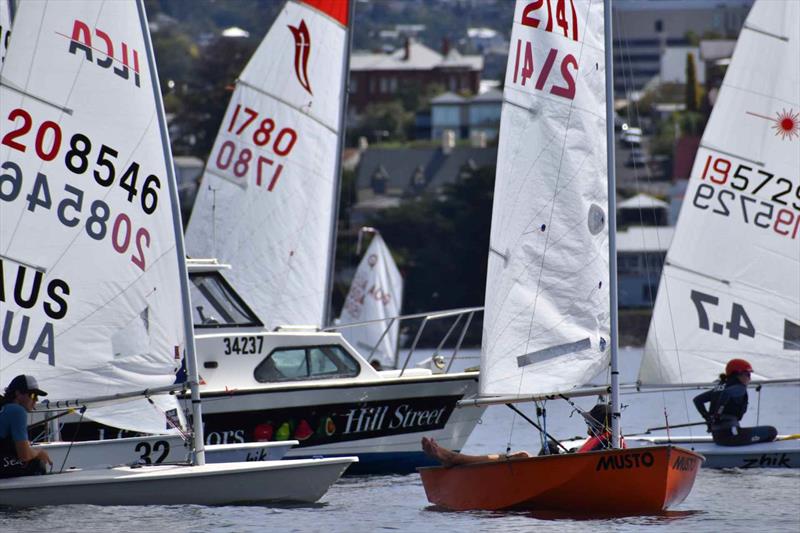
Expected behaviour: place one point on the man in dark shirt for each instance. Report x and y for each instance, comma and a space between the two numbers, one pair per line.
17, 456
728, 404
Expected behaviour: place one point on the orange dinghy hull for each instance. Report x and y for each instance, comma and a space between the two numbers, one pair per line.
629, 481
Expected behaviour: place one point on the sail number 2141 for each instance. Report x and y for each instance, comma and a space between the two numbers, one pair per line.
525, 69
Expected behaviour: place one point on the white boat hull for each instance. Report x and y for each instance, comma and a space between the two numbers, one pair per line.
156, 449
211, 484
373, 420
775, 454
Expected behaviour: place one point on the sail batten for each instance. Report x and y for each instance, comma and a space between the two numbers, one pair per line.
731, 280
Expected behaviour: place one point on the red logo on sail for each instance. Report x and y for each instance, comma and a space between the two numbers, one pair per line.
302, 48
103, 45
786, 123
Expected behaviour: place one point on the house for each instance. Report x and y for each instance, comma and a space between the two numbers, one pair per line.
469, 117
380, 77
641, 251
642, 210
387, 176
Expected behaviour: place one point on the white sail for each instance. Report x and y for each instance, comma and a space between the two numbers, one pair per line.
731, 283
546, 322
375, 294
267, 197
5, 29
90, 302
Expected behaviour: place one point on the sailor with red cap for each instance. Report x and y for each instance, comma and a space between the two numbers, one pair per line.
728, 404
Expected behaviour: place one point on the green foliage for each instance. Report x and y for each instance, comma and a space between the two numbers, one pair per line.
384, 121
208, 92
693, 93
678, 125
441, 243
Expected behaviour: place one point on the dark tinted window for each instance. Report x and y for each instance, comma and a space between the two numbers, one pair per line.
308, 362
215, 304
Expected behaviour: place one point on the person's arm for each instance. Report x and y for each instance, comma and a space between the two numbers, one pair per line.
700, 403
26, 452
19, 434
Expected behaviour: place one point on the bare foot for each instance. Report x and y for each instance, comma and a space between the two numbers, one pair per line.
434, 450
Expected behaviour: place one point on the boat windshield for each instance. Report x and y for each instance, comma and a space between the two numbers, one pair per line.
216, 305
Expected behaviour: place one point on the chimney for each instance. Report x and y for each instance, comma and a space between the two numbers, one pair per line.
478, 139
445, 46
448, 141
407, 49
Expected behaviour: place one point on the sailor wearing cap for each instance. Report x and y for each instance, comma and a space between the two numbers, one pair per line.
17, 456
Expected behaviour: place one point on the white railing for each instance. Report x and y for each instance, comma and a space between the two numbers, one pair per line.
467, 313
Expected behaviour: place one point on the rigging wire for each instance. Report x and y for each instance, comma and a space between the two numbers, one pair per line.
633, 111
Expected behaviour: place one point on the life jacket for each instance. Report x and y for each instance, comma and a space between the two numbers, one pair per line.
729, 404
600, 442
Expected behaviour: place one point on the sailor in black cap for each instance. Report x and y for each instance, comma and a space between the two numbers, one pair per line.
17, 456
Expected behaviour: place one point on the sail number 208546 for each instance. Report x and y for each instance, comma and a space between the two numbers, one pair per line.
80, 155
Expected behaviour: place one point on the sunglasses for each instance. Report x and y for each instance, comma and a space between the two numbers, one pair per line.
34, 396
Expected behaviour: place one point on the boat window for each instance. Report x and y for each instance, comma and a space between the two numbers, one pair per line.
305, 363
216, 305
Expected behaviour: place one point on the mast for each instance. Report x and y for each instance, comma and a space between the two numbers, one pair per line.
326, 310
199, 457
612, 224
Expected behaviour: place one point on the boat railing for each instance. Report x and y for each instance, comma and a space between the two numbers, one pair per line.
465, 313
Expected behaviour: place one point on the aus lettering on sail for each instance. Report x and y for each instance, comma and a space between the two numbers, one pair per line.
100, 50
32, 304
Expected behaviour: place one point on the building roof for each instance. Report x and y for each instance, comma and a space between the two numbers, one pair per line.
645, 239
399, 165
447, 98
716, 49
642, 201
492, 95
420, 57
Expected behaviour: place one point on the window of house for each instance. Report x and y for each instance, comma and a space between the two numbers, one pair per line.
306, 363
384, 83
649, 291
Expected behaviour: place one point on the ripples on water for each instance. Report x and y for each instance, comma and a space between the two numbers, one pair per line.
722, 500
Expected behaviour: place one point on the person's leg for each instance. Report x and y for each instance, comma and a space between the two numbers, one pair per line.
739, 436
12, 467
758, 434
451, 458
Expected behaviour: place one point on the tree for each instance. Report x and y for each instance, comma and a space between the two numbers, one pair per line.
441, 242
208, 93
384, 121
692, 86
